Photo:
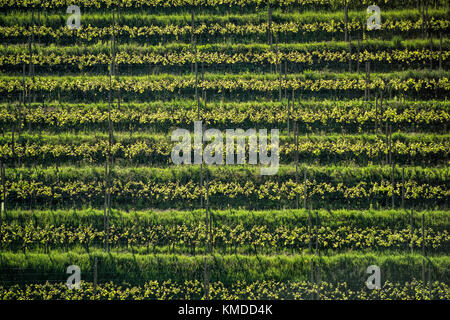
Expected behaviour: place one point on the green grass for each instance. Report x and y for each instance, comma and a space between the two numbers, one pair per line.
149, 17
371, 45
394, 219
228, 269
211, 76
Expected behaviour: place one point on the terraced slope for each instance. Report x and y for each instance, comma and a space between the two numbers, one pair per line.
86, 122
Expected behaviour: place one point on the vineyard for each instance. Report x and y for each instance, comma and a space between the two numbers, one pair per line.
91, 92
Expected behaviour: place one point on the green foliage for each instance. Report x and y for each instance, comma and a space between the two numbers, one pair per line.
243, 290
155, 148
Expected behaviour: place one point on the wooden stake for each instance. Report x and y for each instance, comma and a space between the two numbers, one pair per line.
201, 169
318, 281
95, 275
390, 143
24, 87
350, 54
376, 113
317, 231
296, 161
387, 144
429, 280
423, 234
440, 51
365, 89
423, 248
105, 224
109, 196
423, 272
278, 63
39, 27
368, 80
210, 225
381, 107
198, 112
208, 247
357, 57
312, 276
423, 21
13, 147
309, 229
29, 68
426, 18
346, 21
412, 229
306, 192
431, 50
31, 55
206, 288
288, 117
116, 71
192, 37
109, 202
208, 217
203, 89
285, 79
393, 186
403, 188
19, 120
269, 13
3, 198
196, 80
110, 141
